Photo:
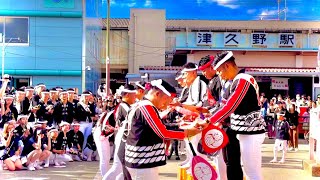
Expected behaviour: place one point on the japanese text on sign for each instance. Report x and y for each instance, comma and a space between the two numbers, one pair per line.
204, 38
279, 83
287, 39
259, 39
231, 39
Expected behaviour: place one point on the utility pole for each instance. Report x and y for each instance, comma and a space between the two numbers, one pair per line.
108, 50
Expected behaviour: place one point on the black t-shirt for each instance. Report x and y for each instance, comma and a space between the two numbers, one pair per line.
62, 142
75, 138
90, 143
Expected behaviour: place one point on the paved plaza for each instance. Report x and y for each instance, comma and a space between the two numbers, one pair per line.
292, 169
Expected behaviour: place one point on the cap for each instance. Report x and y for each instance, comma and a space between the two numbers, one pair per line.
222, 58
164, 86
318, 96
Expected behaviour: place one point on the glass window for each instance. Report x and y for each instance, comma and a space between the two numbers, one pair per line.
16, 30
1, 28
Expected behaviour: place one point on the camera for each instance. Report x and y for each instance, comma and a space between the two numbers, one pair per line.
6, 76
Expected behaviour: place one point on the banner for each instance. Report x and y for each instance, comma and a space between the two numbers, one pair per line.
279, 83
59, 3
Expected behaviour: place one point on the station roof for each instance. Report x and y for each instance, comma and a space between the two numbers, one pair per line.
266, 25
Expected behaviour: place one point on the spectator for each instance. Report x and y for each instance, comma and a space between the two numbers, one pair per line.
293, 122
282, 136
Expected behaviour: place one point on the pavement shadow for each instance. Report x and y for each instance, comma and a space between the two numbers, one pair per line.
290, 163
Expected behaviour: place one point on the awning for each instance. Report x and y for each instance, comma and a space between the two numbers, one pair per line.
281, 71
261, 71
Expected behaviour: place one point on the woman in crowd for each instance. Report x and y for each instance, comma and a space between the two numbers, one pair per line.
32, 149
8, 111
270, 117
11, 158
293, 116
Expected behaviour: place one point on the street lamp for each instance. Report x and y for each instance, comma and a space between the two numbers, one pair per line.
4, 45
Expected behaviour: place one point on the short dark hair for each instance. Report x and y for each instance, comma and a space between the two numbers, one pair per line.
204, 60
189, 65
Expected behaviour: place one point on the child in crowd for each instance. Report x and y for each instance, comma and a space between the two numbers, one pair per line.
281, 126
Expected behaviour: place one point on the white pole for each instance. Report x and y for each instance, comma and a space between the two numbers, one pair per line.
3, 54
108, 51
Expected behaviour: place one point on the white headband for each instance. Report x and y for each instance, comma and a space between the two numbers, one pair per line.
158, 84
226, 58
122, 89
138, 84
179, 77
188, 70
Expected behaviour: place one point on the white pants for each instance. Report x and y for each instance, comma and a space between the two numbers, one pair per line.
194, 141
221, 166
103, 149
144, 174
116, 169
59, 158
280, 144
86, 129
251, 156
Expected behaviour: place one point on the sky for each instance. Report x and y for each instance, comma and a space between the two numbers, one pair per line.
297, 10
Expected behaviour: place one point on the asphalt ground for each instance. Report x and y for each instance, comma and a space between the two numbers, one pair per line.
290, 170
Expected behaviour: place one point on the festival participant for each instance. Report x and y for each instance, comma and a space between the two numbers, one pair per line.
83, 115
140, 89
63, 110
18, 103
144, 143
11, 157
196, 93
75, 141
8, 111
281, 126
243, 107
90, 151
128, 94
101, 132
45, 111
229, 160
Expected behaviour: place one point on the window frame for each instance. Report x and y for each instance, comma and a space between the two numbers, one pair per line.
4, 32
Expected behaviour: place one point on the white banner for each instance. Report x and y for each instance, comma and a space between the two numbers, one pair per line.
279, 83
